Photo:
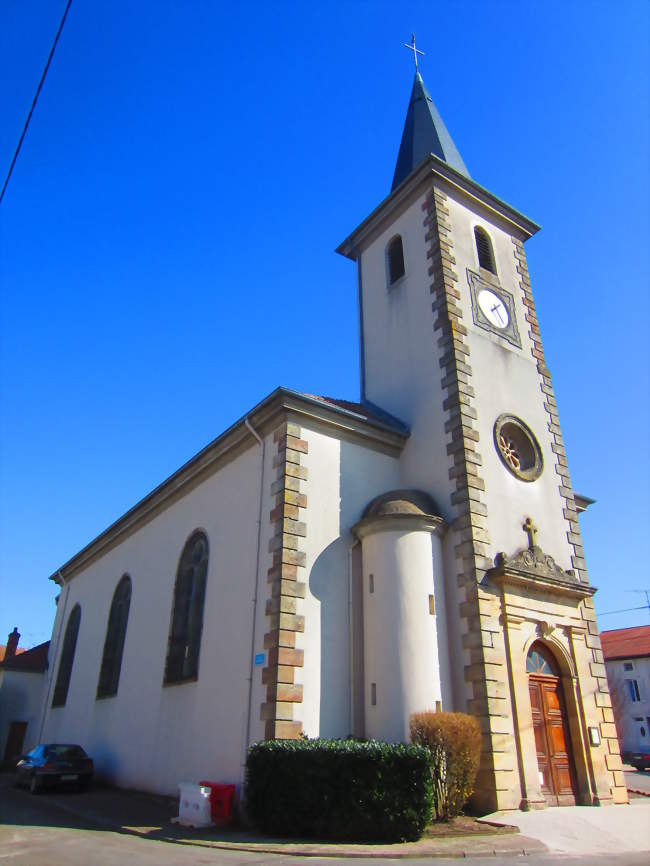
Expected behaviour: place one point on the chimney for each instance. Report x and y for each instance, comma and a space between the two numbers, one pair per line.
12, 644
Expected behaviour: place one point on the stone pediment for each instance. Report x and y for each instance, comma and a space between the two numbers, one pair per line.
533, 569
532, 561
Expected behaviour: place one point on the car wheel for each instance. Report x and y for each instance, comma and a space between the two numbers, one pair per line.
34, 785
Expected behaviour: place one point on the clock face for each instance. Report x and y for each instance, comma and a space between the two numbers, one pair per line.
493, 309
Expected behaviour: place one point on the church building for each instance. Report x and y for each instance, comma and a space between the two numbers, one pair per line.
327, 567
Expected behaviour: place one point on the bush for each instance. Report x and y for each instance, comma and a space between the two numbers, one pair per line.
339, 789
455, 743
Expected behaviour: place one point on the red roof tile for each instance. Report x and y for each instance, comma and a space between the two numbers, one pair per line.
625, 643
30, 661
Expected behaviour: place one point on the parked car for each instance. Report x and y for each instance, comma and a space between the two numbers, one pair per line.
639, 759
50, 764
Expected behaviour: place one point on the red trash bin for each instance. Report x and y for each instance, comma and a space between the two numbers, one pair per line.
222, 800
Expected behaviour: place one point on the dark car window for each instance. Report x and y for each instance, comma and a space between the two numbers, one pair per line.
64, 752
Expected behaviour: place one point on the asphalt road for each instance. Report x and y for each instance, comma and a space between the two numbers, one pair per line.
40, 831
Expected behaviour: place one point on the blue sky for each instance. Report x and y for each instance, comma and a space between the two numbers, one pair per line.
173, 214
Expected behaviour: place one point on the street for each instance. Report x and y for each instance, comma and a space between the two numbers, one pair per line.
57, 829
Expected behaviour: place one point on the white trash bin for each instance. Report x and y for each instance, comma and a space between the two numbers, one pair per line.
194, 806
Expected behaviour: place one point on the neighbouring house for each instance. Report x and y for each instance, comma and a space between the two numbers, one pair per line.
627, 660
21, 697
328, 567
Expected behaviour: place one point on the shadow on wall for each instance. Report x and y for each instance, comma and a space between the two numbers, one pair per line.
328, 583
360, 482
107, 762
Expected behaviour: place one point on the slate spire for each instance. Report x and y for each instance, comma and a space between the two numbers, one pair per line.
424, 133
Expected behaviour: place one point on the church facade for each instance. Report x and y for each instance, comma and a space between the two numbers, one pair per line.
327, 568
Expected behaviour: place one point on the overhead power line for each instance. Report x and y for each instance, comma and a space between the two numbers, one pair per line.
35, 100
625, 610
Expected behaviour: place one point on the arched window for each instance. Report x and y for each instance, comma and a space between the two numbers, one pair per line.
109, 674
484, 250
67, 658
187, 615
395, 259
541, 661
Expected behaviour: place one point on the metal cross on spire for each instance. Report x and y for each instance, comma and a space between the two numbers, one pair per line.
415, 50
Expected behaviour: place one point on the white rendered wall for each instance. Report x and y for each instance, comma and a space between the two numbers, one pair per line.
343, 478
402, 374
630, 716
152, 736
20, 701
400, 642
506, 380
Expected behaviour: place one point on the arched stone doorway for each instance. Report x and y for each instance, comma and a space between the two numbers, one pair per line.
557, 775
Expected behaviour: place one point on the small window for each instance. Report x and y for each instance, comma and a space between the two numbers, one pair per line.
540, 661
628, 666
187, 614
67, 658
632, 687
395, 256
109, 674
484, 250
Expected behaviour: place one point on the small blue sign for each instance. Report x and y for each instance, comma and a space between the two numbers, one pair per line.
259, 658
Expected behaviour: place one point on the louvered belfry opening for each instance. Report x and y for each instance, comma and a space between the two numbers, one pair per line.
484, 250
395, 253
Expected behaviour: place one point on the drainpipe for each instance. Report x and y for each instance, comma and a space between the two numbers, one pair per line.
51, 667
262, 445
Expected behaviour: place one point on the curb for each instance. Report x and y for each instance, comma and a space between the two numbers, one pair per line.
637, 791
525, 847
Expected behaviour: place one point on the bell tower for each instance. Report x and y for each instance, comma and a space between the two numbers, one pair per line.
450, 344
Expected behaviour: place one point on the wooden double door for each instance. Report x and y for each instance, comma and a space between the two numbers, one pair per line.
552, 740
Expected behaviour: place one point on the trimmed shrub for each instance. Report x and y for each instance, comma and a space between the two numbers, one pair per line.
339, 789
455, 743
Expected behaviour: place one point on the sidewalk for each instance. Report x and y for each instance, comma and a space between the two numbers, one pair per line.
569, 830
149, 816
587, 829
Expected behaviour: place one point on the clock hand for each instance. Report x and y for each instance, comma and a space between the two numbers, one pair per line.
496, 309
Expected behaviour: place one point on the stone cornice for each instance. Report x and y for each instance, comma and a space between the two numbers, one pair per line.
399, 523
433, 168
534, 570
281, 404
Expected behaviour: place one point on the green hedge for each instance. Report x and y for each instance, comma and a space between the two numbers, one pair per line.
339, 789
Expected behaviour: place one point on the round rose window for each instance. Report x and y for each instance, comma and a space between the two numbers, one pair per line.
518, 448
